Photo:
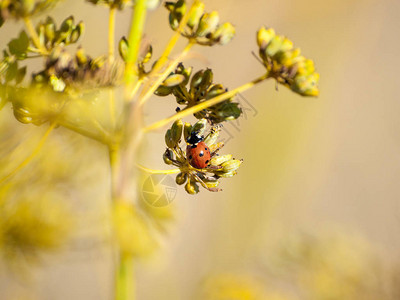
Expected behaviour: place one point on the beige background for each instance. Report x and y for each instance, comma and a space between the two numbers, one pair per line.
329, 164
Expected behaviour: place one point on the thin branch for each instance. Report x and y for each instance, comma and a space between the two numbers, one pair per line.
153, 171
204, 104
34, 36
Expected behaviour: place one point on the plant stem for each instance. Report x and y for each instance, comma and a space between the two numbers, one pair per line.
33, 154
135, 36
35, 38
153, 171
148, 93
125, 288
111, 35
205, 104
172, 42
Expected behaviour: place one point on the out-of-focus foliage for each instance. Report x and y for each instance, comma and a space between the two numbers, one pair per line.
285, 64
23, 8
201, 28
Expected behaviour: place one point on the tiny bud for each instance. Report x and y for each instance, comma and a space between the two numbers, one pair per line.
174, 80
168, 156
168, 139
196, 79
163, 91
218, 160
212, 137
191, 187
274, 46
264, 36
123, 48
226, 175
200, 126
195, 15
231, 165
181, 178
208, 24
224, 33
176, 131
187, 129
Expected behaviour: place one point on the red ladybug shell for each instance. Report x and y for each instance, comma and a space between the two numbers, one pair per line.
198, 155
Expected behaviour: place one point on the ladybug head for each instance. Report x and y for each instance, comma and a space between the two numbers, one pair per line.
194, 139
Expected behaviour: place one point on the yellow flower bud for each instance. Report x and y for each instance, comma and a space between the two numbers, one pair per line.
174, 80
231, 165
187, 129
224, 33
200, 126
168, 139
226, 175
274, 46
218, 160
196, 13
181, 178
264, 36
191, 187
176, 131
208, 23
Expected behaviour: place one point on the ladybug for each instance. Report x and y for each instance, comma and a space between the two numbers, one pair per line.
197, 152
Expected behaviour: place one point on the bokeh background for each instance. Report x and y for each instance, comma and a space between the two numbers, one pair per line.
314, 212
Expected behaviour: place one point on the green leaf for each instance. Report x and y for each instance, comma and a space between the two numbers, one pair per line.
19, 46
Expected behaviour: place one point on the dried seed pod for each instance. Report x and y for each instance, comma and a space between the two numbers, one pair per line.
181, 178
176, 131
208, 23
224, 33
168, 156
231, 165
191, 187
168, 139
173, 80
218, 160
123, 48
199, 127
187, 130
197, 12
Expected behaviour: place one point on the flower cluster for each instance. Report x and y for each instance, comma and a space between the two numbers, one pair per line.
201, 28
122, 4
217, 167
201, 88
63, 70
23, 8
68, 33
285, 64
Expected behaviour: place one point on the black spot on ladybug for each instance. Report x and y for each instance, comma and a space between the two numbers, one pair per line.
205, 149
201, 154
190, 157
207, 161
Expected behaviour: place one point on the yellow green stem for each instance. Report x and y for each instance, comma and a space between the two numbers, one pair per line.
172, 42
111, 35
153, 171
135, 36
148, 93
204, 104
35, 38
33, 154
125, 286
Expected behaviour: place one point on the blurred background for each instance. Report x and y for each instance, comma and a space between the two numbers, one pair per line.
314, 212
